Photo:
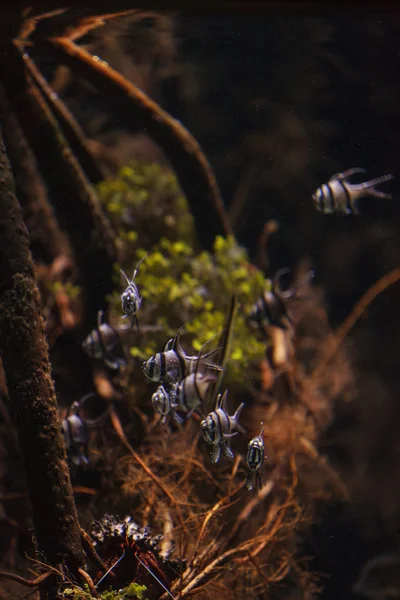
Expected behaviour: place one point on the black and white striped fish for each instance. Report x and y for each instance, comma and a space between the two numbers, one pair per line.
270, 308
75, 431
172, 365
218, 427
130, 298
339, 196
76, 436
105, 342
189, 395
255, 460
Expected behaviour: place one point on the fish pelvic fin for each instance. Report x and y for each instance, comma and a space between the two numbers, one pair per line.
227, 451
215, 453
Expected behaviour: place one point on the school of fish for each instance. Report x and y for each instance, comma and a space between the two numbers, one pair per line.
185, 381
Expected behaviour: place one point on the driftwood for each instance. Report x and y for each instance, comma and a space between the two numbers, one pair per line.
181, 149
74, 199
24, 352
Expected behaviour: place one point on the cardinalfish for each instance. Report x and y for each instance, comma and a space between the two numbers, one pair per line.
255, 460
339, 196
172, 365
270, 308
130, 298
75, 431
189, 395
105, 342
218, 427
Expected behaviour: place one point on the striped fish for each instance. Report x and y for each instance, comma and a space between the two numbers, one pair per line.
172, 365
105, 342
75, 431
339, 196
218, 427
76, 436
130, 298
270, 308
255, 460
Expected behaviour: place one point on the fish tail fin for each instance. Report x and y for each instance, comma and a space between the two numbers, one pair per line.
369, 187
249, 481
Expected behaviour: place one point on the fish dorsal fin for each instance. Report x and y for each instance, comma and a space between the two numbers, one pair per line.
100, 318
221, 400
138, 265
175, 344
261, 434
128, 281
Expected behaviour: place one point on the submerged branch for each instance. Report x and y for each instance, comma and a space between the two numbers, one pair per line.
42, 224
72, 130
181, 149
75, 200
24, 352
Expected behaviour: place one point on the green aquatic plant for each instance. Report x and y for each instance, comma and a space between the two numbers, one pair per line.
144, 203
133, 590
182, 284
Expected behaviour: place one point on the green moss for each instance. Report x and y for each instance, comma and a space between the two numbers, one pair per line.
184, 285
134, 590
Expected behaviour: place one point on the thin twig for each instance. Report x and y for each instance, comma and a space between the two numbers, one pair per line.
121, 434
23, 581
333, 344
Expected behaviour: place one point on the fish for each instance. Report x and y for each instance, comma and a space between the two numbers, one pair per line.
162, 403
218, 427
172, 365
339, 196
130, 298
255, 460
75, 433
271, 308
105, 342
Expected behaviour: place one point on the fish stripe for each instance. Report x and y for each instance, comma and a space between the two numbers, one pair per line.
331, 197
348, 198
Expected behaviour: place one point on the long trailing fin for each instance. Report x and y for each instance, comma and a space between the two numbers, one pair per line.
347, 174
125, 277
138, 265
375, 181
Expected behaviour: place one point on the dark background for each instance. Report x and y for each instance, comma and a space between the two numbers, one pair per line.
279, 104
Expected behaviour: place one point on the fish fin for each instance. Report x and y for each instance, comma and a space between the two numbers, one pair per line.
211, 352
249, 481
229, 435
215, 453
221, 400
347, 174
236, 418
125, 277
214, 367
176, 346
227, 451
100, 318
178, 419
137, 266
